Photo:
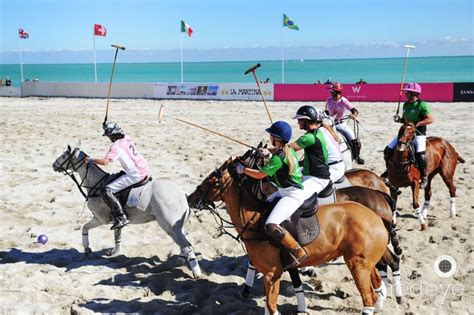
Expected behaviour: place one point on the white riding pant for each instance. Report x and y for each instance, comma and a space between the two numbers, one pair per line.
336, 171
292, 199
346, 130
123, 182
313, 185
420, 143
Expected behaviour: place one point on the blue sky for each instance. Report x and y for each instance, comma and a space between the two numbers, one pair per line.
340, 29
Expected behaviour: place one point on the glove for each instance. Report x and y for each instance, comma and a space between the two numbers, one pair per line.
240, 168
262, 152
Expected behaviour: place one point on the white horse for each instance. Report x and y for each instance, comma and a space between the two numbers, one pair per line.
159, 200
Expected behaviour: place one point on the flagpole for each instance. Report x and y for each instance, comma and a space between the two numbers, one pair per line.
95, 61
21, 62
282, 59
182, 77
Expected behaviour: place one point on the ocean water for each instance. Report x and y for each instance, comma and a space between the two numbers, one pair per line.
377, 70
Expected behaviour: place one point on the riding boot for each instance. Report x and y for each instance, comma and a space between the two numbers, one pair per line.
387, 156
117, 210
422, 165
297, 253
356, 145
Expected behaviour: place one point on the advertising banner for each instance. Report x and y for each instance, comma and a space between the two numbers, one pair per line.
463, 92
388, 92
186, 91
245, 91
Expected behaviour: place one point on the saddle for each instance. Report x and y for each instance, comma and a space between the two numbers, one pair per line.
303, 225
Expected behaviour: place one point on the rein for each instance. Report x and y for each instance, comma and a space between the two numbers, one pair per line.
71, 167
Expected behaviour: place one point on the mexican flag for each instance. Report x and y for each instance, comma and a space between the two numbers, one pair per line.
185, 28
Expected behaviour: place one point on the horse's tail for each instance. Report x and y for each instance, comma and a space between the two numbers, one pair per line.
389, 225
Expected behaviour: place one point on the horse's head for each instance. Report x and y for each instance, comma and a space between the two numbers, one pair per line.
216, 184
405, 136
70, 160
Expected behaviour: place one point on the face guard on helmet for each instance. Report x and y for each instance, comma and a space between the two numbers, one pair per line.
111, 129
309, 113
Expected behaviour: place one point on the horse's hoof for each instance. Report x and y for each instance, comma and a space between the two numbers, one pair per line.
424, 226
88, 252
111, 252
399, 299
246, 291
398, 251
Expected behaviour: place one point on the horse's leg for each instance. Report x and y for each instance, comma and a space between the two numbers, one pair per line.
361, 274
415, 190
394, 195
272, 288
93, 223
426, 204
448, 179
118, 239
177, 234
379, 288
299, 292
392, 260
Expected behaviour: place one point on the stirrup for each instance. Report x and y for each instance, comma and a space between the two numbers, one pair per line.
295, 261
120, 223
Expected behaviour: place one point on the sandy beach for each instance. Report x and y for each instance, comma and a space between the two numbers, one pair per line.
147, 276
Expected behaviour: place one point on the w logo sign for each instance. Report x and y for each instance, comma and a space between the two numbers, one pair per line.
356, 89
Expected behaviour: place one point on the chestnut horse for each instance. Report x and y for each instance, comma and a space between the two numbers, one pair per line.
402, 172
348, 229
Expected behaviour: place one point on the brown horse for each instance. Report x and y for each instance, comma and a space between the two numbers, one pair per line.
366, 178
402, 172
348, 229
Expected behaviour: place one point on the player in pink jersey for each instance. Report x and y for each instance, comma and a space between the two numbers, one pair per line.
124, 151
339, 107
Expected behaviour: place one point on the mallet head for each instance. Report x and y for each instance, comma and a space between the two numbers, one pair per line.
409, 46
118, 47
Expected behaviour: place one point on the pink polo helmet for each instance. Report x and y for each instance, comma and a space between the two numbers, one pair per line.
412, 87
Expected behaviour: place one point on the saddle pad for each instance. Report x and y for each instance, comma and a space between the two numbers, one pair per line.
139, 197
307, 230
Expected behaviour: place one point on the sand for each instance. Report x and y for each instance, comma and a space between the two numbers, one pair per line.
147, 277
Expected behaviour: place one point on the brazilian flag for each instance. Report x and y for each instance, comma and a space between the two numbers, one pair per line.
289, 23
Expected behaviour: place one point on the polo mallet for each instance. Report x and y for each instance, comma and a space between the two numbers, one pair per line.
396, 118
161, 114
117, 47
252, 69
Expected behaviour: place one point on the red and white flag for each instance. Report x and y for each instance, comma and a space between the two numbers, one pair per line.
100, 30
22, 33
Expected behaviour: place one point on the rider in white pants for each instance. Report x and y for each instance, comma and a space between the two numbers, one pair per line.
124, 151
338, 106
313, 142
283, 170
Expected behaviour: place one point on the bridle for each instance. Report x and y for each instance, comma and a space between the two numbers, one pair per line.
204, 202
69, 167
